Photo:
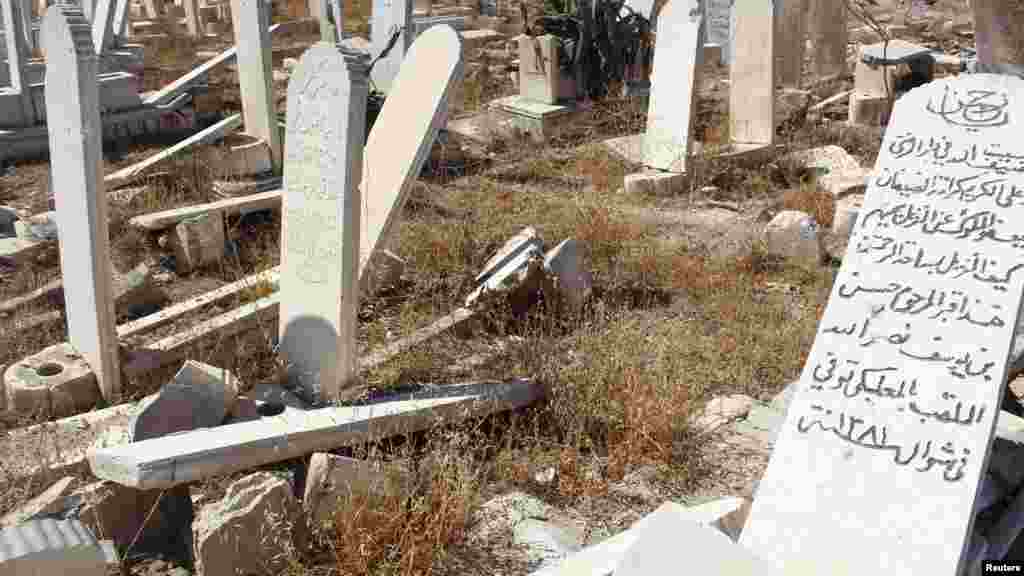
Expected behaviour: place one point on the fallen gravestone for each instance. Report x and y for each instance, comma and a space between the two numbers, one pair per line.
878, 464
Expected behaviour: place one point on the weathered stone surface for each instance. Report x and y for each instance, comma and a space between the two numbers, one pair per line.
198, 242
383, 271
135, 292
57, 381
250, 529
545, 534
794, 235
722, 410
50, 501
331, 480
50, 546
515, 271
200, 396
568, 282
837, 171
654, 183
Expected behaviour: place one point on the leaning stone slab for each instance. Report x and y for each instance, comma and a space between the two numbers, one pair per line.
53, 547
515, 270
900, 394
181, 458
200, 396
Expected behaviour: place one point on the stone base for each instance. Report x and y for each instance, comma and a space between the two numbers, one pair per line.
631, 149
539, 121
55, 382
655, 183
747, 154
869, 110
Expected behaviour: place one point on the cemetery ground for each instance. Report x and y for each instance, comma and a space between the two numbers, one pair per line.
683, 310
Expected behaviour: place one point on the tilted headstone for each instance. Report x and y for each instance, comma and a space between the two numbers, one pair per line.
878, 464
250, 21
752, 73
320, 227
389, 16
74, 128
405, 130
674, 80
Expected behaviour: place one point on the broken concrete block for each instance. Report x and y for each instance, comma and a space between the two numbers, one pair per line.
331, 480
722, 410
135, 292
249, 530
50, 546
198, 242
50, 501
383, 271
55, 382
795, 235
837, 171
200, 396
515, 271
568, 282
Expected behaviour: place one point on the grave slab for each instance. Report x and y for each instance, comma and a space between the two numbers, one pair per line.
320, 227
75, 149
890, 429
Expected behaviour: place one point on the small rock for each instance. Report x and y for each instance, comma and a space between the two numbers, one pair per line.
331, 480
722, 410
50, 501
568, 282
198, 242
795, 235
515, 271
136, 293
251, 530
383, 271
545, 476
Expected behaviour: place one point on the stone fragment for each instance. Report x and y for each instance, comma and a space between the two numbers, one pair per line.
136, 293
198, 242
794, 235
331, 480
722, 410
200, 396
515, 271
545, 534
568, 282
837, 171
383, 271
55, 382
49, 546
250, 530
50, 501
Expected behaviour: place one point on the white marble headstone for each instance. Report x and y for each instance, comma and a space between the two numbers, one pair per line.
405, 130
321, 218
878, 464
74, 127
674, 80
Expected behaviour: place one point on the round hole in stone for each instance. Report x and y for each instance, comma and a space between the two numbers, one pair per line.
49, 369
270, 409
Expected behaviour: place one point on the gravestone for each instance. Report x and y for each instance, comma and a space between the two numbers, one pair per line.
752, 74
74, 128
250, 20
17, 78
878, 464
718, 24
829, 35
674, 80
388, 17
791, 27
405, 130
321, 218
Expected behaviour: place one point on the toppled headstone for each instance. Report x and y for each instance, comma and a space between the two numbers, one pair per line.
50, 546
200, 396
795, 235
251, 530
198, 242
331, 480
48, 502
515, 271
568, 282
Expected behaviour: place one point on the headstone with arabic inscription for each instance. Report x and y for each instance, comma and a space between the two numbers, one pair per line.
878, 464
320, 228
